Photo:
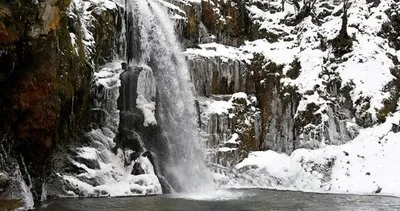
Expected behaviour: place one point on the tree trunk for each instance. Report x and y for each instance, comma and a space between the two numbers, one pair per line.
343, 31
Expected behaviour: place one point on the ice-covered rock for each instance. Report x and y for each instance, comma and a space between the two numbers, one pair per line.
106, 166
363, 166
230, 127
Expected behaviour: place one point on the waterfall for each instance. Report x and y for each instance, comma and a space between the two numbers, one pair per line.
155, 57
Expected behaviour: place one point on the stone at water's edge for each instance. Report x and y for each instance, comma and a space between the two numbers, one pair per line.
133, 134
112, 162
11, 204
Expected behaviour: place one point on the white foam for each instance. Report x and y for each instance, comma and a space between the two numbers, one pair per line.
216, 195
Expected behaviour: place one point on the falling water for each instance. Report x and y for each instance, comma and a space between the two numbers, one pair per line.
152, 43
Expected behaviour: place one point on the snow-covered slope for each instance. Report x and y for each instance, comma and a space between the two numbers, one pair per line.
311, 96
366, 165
366, 68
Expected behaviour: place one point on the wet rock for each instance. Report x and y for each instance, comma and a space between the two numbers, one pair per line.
137, 169
90, 163
230, 135
225, 22
217, 76
395, 128
47, 83
4, 181
128, 139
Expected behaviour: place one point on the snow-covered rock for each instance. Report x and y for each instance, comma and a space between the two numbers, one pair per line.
366, 165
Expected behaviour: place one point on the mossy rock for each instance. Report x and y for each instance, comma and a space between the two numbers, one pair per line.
10, 204
231, 25
389, 105
191, 29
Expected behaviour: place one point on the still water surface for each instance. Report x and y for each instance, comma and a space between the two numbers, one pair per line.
237, 199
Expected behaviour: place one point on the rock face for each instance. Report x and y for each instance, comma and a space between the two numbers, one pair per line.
230, 128
305, 94
47, 65
213, 76
268, 76
110, 160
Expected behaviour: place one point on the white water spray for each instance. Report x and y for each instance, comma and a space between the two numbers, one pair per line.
154, 44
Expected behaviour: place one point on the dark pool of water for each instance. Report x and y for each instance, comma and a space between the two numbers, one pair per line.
237, 199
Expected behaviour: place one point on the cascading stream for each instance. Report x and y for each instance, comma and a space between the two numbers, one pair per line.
153, 47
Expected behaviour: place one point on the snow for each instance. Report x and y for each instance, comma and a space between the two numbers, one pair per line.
148, 110
110, 5
79, 10
144, 184
216, 106
115, 178
226, 53
108, 76
279, 52
311, 62
369, 70
268, 161
102, 167
172, 7
226, 149
362, 166
221, 106
366, 68
239, 95
88, 153
233, 139
308, 99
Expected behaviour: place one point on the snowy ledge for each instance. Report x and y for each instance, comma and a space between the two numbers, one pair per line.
366, 165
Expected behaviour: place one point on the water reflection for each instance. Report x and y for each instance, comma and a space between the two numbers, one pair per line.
236, 199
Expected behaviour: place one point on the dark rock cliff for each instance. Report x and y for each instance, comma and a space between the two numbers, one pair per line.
45, 79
